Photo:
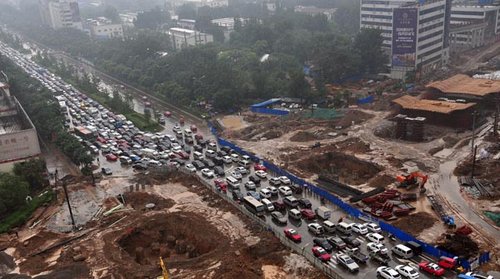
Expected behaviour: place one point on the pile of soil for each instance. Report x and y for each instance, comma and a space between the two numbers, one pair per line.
353, 145
381, 180
416, 223
348, 168
460, 245
353, 117
303, 136
138, 200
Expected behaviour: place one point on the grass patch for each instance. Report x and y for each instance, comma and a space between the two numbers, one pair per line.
142, 123
21, 215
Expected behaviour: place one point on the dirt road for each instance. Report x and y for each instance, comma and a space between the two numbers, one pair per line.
474, 60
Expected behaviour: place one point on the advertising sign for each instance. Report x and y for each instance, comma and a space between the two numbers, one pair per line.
404, 36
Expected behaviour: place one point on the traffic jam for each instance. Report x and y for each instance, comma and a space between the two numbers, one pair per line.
349, 247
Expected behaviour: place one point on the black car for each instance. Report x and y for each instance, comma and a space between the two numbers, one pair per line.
219, 171
254, 179
107, 171
179, 161
336, 242
209, 164
237, 195
279, 218
189, 140
198, 165
221, 153
305, 203
218, 161
296, 189
351, 241
226, 149
198, 148
323, 243
140, 166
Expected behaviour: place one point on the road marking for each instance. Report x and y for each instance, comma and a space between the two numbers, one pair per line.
362, 240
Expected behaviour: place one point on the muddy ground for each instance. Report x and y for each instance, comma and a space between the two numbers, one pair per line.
415, 223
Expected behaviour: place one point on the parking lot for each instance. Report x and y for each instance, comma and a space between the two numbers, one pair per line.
118, 145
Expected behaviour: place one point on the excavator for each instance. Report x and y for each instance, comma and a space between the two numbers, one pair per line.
413, 179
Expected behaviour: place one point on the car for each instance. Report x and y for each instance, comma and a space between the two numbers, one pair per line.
249, 185
336, 242
265, 193
447, 263
254, 195
236, 175
190, 168
208, 173
305, 203
140, 166
377, 248
292, 235
321, 253
351, 241
237, 195
261, 174
479, 276
323, 243
375, 237
296, 189
219, 171
284, 180
227, 160
258, 167
284, 190
278, 217
347, 262
407, 271
359, 228
220, 185
431, 268
107, 171
111, 157
315, 228
255, 180
274, 181
279, 205
242, 170
273, 190
387, 273
308, 214
198, 164
374, 228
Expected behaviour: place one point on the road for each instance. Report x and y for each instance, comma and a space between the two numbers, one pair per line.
472, 63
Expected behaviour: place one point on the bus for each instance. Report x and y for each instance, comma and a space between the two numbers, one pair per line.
253, 205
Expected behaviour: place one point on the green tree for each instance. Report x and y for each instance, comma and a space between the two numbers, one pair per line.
32, 171
368, 43
111, 13
346, 17
13, 192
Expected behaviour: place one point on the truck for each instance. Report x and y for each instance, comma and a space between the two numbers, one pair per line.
324, 212
382, 259
357, 255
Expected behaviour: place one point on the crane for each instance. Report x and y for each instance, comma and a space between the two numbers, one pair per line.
163, 269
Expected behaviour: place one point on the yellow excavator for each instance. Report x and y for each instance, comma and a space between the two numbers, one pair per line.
163, 270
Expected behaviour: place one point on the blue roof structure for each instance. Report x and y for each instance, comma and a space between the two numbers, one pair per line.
267, 103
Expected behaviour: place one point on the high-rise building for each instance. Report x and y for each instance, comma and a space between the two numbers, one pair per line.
60, 13
415, 32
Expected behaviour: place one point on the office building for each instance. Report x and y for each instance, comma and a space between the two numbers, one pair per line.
227, 24
182, 38
415, 32
60, 14
18, 136
103, 29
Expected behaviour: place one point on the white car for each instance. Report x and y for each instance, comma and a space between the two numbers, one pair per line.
315, 228
274, 181
407, 271
207, 173
249, 185
273, 190
236, 175
479, 276
261, 174
372, 227
190, 168
227, 160
375, 237
377, 248
285, 190
235, 158
360, 229
285, 180
265, 193
387, 273
242, 170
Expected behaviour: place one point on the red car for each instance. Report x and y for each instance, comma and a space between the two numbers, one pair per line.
198, 137
182, 154
194, 129
111, 157
101, 140
221, 185
431, 268
259, 167
308, 214
167, 114
447, 263
321, 253
293, 235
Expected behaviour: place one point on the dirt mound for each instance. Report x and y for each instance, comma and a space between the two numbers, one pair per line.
382, 180
172, 237
415, 223
353, 117
302, 136
138, 200
459, 245
348, 168
353, 145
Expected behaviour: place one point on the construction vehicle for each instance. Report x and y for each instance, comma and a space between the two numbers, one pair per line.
436, 206
413, 179
164, 270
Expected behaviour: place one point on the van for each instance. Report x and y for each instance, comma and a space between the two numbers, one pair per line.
415, 247
294, 214
244, 163
291, 201
329, 226
375, 237
197, 155
188, 132
402, 251
233, 183
267, 204
344, 228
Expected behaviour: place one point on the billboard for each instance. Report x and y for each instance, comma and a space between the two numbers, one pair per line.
404, 36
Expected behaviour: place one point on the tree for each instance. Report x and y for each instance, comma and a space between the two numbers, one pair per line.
13, 192
186, 11
368, 43
347, 17
152, 19
32, 171
111, 13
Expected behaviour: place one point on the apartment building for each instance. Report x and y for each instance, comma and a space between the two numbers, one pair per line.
182, 38
60, 14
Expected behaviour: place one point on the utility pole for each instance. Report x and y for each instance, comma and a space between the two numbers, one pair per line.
473, 162
69, 205
473, 130
495, 122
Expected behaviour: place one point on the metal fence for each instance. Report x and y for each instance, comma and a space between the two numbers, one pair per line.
270, 111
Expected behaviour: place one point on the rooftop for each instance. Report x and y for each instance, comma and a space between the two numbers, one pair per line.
182, 30
11, 124
463, 84
409, 102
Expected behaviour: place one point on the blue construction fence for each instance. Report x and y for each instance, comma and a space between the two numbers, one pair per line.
269, 111
354, 212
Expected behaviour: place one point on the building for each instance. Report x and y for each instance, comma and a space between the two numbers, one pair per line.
60, 14
202, 3
187, 23
314, 11
103, 29
18, 136
461, 86
415, 32
182, 38
227, 24
128, 19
